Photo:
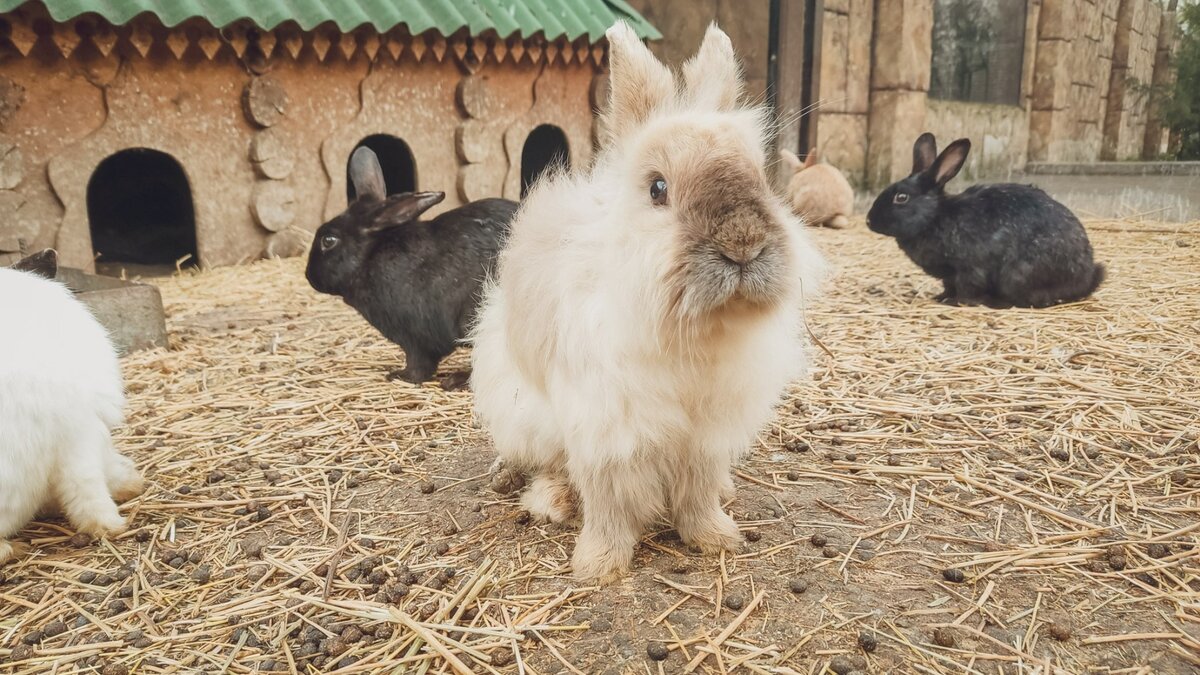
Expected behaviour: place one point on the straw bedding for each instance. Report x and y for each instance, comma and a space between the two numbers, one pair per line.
953, 490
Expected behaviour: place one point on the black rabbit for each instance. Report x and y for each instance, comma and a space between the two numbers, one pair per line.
1002, 245
417, 282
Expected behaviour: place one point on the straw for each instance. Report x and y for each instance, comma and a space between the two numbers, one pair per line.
304, 514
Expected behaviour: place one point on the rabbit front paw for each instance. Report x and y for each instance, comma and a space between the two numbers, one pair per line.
124, 480
103, 526
457, 381
10, 551
712, 534
599, 561
550, 498
963, 301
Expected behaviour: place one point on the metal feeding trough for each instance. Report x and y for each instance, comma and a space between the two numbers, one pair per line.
131, 312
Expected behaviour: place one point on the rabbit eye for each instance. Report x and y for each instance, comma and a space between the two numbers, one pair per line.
658, 191
900, 198
329, 241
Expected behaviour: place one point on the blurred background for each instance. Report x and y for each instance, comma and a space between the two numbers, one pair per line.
158, 132
1098, 101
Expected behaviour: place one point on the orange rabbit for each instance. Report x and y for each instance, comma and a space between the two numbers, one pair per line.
819, 193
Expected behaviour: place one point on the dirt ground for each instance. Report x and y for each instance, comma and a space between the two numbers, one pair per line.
953, 490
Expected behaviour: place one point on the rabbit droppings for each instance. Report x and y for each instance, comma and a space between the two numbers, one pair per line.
819, 193
645, 318
60, 395
417, 282
1002, 245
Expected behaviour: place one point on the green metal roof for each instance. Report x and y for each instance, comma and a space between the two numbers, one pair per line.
571, 19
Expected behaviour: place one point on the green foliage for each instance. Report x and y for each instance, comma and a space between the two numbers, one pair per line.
1182, 108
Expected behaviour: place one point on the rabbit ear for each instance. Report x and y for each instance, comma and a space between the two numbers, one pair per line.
366, 175
811, 160
791, 160
404, 208
638, 83
948, 164
44, 264
712, 78
924, 152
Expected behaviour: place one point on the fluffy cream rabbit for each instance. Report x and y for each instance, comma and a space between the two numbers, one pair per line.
819, 193
645, 317
60, 394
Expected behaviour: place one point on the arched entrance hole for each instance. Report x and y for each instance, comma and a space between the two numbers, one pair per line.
396, 160
545, 147
140, 210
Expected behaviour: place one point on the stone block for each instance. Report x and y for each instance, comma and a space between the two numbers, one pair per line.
842, 139
1052, 136
132, 313
1093, 22
834, 38
837, 7
12, 164
858, 56
1057, 20
897, 117
1051, 75
903, 50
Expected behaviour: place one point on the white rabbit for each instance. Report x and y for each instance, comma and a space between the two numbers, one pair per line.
60, 395
645, 317
819, 193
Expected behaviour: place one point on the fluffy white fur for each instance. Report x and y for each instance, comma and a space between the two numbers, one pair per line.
60, 395
583, 374
819, 193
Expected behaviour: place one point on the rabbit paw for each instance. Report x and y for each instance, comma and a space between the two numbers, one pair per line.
550, 499
962, 301
129, 489
125, 480
595, 561
10, 551
457, 381
713, 534
403, 375
105, 526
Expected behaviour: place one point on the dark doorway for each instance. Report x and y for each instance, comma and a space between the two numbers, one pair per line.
793, 68
545, 147
140, 210
396, 160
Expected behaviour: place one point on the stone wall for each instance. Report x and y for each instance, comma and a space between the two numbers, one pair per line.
1132, 75
999, 135
1157, 138
844, 84
1072, 77
683, 22
874, 72
263, 125
1095, 61
900, 72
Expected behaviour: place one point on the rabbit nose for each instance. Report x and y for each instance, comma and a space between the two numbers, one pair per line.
740, 257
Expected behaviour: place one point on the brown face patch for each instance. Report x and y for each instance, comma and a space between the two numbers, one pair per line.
731, 246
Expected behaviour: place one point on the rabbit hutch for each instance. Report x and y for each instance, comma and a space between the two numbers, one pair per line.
155, 132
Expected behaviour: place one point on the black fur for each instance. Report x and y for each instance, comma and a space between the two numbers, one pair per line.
1002, 245
417, 282
43, 263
